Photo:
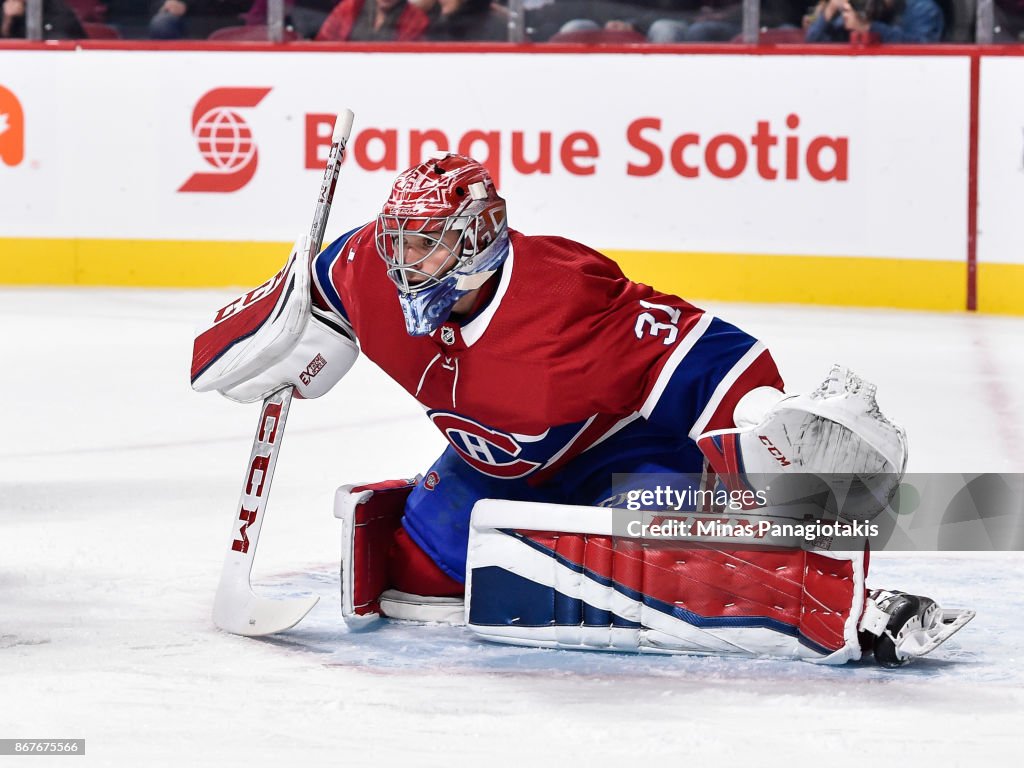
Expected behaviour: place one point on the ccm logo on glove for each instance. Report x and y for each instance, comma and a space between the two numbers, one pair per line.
775, 452
252, 296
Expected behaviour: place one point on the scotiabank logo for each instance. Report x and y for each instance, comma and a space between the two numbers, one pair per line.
12, 128
763, 148
224, 140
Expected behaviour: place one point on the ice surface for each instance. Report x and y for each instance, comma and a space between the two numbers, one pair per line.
117, 489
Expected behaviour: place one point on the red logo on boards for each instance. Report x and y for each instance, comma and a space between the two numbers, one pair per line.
12, 128
224, 140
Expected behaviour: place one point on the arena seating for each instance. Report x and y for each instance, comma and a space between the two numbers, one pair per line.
249, 32
96, 31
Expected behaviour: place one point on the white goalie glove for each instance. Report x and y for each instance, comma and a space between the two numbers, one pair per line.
271, 337
836, 433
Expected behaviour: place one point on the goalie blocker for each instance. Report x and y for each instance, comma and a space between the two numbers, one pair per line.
555, 576
272, 337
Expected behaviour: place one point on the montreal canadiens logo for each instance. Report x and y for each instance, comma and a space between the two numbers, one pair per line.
224, 140
487, 450
430, 482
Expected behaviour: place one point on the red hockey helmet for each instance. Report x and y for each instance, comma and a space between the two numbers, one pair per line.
445, 194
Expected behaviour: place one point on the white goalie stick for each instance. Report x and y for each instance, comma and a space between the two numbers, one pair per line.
237, 609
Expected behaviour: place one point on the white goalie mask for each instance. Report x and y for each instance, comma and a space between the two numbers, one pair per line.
442, 233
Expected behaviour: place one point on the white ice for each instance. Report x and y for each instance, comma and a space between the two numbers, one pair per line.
118, 486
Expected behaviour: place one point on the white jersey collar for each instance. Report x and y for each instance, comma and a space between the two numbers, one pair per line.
474, 330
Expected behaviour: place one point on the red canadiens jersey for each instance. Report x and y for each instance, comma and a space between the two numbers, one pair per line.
566, 353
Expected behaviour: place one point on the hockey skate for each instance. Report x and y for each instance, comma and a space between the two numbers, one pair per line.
899, 627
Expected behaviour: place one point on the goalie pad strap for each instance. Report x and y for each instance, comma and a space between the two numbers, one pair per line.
569, 583
874, 619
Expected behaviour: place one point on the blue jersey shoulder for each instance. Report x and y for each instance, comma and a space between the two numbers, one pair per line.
323, 263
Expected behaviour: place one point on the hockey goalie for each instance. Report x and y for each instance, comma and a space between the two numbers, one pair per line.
548, 371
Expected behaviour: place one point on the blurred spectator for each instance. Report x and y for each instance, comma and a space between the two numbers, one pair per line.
258, 13
390, 20
544, 17
129, 17
637, 16
825, 23
93, 11
912, 21
194, 19
1009, 21
665, 21
455, 20
718, 21
721, 21
304, 17
888, 21
59, 21
307, 16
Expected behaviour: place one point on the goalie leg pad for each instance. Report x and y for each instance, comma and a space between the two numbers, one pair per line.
556, 576
370, 514
383, 571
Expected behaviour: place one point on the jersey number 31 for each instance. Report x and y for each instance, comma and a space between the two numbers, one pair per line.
647, 323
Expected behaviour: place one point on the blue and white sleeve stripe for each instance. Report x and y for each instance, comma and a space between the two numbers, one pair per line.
323, 264
690, 380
